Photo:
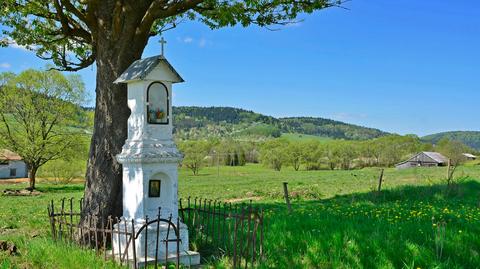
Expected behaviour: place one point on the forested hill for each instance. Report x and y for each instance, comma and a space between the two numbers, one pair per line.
469, 138
202, 122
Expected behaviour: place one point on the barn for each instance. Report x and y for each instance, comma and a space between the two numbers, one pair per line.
424, 159
12, 165
469, 156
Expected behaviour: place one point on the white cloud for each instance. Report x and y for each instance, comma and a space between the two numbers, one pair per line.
294, 24
5, 65
187, 40
202, 43
15, 45
345, 116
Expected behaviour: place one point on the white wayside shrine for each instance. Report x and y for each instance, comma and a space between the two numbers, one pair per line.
150, 160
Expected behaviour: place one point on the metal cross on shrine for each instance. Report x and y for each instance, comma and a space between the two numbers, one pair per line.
162, 43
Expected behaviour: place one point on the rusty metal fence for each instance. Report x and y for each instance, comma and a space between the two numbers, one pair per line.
217, 230
100, 234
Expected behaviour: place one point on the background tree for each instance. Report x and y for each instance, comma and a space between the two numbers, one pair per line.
295, 154
274, 153
312, 154
453, 150
194, 154
75, 34
37, 112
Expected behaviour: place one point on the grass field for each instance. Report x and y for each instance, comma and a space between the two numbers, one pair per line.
337, 221
303, 137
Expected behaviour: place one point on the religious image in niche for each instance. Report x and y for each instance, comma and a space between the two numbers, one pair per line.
157, 104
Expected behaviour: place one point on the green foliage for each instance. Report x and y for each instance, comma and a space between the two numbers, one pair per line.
226, 122
453, 150
194, 154
274, 153
312, 154
328, 128
66, 32
304, 137
39, 113
469, 138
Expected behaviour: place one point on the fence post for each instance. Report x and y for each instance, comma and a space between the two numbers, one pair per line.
133, 246
287, 199
71, 219
380, 179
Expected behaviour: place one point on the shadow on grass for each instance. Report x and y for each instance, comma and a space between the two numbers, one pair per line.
396, 228
60, 188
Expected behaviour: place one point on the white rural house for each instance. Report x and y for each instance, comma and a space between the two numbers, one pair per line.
12, 165
425, 158
469, 156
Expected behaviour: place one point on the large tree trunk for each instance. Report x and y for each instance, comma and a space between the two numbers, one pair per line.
116, 49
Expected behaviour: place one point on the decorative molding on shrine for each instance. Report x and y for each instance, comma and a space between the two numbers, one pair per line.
149, 151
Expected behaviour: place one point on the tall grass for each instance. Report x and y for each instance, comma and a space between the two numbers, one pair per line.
337, 222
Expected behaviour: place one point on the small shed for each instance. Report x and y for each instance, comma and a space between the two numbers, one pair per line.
12, 165
424, 159
469, 156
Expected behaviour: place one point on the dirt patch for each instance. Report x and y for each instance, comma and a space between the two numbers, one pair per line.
13, 180
9, 247
236, 200
22, 192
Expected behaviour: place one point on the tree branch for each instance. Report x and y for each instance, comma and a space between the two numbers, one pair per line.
161, 9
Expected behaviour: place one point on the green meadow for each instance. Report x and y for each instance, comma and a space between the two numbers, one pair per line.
338, 221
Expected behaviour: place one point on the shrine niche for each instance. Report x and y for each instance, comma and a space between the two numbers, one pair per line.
157, 104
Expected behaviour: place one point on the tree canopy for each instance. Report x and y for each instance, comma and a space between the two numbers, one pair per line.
74, 34
37, 112
66, 31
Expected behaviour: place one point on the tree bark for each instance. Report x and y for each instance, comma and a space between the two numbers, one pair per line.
116, 49
32, 173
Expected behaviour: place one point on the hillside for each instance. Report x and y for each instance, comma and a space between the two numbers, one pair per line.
201, 122
469, 138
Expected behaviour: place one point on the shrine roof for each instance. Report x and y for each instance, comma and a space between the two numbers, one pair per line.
141, 68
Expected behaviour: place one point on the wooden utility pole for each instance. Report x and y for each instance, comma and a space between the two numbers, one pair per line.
287, 199
380, 179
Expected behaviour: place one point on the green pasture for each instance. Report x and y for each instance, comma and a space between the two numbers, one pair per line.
305, 137
337, 221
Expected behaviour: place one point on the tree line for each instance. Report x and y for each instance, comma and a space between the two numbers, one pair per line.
278, 153
217, 122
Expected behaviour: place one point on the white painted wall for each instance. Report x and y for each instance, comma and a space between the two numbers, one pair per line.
20, 166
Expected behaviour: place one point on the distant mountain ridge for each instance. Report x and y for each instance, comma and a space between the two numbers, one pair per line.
193, 122
469, 138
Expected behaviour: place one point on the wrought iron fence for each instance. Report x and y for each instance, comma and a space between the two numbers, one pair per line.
216, 230
101, 235
224, 229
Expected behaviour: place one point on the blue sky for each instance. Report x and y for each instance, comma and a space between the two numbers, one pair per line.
404, 66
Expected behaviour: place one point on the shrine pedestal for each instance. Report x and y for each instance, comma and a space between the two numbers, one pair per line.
155, 242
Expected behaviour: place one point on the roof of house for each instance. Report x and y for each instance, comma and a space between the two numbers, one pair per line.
142, 67
8, 155
436, 156
468, 155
